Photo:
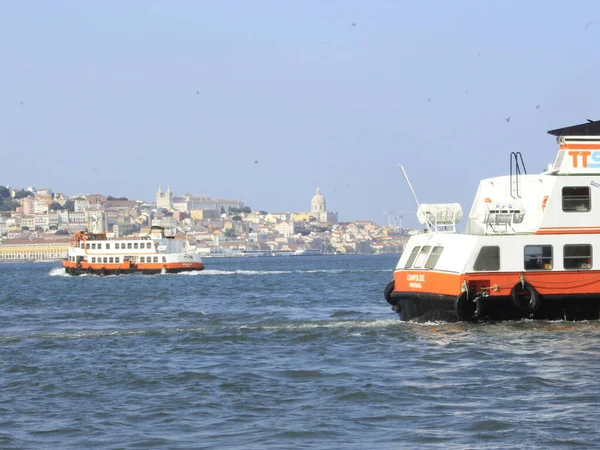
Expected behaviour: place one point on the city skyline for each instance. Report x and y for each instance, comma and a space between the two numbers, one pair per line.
266, 101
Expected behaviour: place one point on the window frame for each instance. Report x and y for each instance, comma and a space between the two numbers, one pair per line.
543, 266
429, 264
566, 258
422, 256
413, 255
576, 198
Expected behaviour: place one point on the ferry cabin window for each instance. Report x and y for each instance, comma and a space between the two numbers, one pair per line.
107, 246
576, 199
411, 258
135, 245
156, 259
87, 246
105, 259
434, 257
577, 256
142, 259
538, 257
488, 258
164, 259
111, 259
422, 256
148, 245
93, 259
129, 245
93, 246
116, 245
117, 259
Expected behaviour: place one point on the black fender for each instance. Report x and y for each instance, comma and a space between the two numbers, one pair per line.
521, 303
468, 309
387, 293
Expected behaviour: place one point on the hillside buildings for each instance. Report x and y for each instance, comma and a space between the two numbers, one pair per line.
40, 226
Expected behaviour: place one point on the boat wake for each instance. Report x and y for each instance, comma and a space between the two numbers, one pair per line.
58, 272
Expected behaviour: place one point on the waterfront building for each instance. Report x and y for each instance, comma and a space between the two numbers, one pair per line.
39, 249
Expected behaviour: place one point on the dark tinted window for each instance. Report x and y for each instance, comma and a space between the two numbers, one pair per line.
538, 257
411, 258
422, 256
488, 258
576, 199
433, 257
577, 256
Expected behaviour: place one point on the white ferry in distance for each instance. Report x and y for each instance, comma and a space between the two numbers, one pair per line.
528, 250
94, 253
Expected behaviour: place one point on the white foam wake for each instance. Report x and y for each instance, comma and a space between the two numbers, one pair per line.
58, 272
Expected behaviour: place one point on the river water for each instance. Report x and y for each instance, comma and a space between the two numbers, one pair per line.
281, 352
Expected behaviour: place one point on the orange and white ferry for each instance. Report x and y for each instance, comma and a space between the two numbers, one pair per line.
94, 253
528, 250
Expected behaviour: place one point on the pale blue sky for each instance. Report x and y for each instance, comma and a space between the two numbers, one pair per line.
119, 97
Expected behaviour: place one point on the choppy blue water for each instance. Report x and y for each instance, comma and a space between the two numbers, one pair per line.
278, 353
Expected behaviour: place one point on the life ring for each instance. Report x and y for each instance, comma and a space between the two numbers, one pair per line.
387, 293
468, 310
522, 303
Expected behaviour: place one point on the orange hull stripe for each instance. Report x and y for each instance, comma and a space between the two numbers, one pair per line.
142, 266
498, 284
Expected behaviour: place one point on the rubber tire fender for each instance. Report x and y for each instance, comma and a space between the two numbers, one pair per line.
463, 312
534, 300
387, 293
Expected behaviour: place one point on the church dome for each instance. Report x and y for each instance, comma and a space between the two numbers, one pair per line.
318, 202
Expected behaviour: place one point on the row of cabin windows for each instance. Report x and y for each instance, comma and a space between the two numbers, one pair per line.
425, 256
536, 257
122, 245
116, 259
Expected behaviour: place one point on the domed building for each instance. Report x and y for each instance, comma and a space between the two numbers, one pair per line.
318, 209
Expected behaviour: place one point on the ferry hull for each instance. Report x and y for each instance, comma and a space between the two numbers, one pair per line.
423, 307
157, 269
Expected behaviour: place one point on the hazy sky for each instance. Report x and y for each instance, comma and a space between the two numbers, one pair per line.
264, 101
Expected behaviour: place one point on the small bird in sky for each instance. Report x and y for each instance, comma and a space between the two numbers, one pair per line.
587, 25
256, 161
537, 106
197, 92
507, 119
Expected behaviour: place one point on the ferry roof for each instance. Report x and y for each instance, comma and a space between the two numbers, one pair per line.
589, 128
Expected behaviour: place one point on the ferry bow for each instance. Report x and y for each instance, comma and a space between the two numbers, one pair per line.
527, 250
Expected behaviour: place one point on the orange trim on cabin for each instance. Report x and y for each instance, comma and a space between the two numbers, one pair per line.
569, 230
580, 146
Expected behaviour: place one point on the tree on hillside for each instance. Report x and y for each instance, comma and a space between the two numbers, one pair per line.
55, 206
4, 192
230, 233
69, 205
22, 194
110, 197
